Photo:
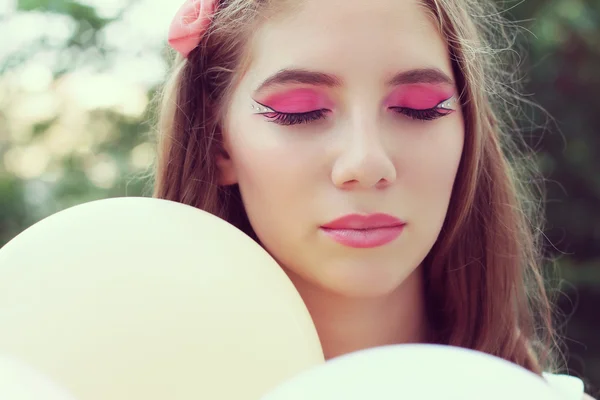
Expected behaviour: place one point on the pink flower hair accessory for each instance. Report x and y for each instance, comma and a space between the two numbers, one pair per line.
189, 25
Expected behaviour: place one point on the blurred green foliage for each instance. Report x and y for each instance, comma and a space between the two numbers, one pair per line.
561, 39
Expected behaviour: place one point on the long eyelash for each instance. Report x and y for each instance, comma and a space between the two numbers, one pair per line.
296, 118
422, 115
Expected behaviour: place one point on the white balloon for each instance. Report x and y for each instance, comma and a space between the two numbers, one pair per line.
415, 371
18, 381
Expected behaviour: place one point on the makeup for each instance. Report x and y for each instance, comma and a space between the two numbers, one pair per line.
296, 101
364, 231
421, 97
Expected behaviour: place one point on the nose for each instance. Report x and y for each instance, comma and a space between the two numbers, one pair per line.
364, 161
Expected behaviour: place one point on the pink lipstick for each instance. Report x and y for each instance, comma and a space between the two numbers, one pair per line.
364, 231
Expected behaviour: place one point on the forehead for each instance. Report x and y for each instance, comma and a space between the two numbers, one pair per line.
350, 38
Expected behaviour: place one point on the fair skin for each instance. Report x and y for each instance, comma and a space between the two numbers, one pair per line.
360, 156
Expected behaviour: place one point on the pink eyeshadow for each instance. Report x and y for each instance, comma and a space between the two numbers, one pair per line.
297, 101
419, 97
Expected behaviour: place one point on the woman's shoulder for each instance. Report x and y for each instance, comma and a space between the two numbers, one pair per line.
570, 387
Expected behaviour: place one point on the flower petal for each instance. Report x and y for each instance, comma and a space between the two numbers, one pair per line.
189, 25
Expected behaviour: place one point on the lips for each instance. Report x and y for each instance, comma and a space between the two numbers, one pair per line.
364, 231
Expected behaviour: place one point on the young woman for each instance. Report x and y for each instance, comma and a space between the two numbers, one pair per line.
361, 144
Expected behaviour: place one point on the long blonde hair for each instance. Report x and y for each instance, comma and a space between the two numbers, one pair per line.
484, 283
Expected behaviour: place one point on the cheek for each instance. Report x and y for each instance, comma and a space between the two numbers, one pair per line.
277, 188
428, 184
434, 164
261, 170
263, 155
274, 174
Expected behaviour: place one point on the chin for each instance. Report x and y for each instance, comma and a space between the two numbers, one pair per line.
363, 282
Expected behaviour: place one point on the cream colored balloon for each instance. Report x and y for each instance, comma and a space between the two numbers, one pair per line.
138, 298
18, 381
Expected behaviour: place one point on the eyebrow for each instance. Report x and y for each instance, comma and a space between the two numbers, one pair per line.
424, 75
303, 76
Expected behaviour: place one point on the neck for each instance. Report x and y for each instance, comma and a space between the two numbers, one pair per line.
348, 324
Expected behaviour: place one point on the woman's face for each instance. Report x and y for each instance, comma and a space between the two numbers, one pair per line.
347, 108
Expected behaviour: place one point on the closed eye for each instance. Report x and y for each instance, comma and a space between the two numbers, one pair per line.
423, 115
282, 118
295, 118
429, 114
